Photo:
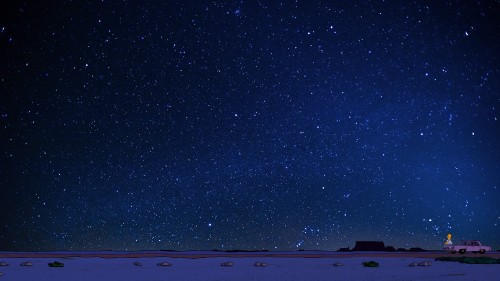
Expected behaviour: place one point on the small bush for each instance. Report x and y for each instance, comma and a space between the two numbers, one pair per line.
56, 264
471, 260
370, 264
448, 259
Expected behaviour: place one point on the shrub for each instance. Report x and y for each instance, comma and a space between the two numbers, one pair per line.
370, 264
471, 260
56, 264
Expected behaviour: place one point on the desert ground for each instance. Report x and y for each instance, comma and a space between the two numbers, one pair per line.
197, 265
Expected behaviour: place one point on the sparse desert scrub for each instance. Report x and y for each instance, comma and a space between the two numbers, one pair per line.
370, 264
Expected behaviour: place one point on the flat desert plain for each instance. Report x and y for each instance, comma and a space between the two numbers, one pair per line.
206, 265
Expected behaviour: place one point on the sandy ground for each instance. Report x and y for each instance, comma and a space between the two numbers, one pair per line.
195, 266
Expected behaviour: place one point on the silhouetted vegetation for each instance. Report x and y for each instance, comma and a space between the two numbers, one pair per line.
470, 260
56, 264
370, 264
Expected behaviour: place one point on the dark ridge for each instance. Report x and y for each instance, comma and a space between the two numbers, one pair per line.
378, 246
369, 246
390, 249
245, 251
417, 249
171, 251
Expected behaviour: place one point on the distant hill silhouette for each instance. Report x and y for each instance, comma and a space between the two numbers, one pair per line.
240, 251
369, 246
417, 249
378, 246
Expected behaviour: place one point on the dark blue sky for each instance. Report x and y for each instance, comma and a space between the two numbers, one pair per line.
248, 124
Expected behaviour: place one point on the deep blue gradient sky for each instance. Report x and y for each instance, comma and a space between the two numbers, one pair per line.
248, 124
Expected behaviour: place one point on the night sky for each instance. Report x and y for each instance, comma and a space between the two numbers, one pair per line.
248, 124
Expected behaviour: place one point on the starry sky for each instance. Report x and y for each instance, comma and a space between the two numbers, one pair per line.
151, 125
